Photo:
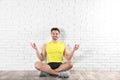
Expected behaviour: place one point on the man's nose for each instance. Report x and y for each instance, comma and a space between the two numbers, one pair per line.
55, 34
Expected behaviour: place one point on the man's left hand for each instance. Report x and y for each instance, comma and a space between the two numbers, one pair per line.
76, 47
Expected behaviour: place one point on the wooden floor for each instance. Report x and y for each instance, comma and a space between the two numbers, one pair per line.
74, 75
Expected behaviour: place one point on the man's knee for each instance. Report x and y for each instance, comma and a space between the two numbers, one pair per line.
70, 63
37, 64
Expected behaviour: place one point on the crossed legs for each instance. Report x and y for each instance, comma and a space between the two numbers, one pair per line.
46, 68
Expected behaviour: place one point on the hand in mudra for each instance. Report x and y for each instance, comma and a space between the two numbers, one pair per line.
76, 47
34, 46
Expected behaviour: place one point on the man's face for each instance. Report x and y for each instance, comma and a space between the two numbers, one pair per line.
55, 34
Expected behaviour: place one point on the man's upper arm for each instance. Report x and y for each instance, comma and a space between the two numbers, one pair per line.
66, 52
44, 51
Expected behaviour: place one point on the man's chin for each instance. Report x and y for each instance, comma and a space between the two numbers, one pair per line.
55, 39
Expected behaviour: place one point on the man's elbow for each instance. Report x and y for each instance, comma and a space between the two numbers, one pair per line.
68, 58
42, 59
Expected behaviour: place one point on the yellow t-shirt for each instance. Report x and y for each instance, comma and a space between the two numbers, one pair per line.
55, 51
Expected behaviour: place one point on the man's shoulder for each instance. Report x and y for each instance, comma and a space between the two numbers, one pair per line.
46, 43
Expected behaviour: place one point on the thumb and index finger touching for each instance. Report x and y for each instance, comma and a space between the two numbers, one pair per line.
33, 45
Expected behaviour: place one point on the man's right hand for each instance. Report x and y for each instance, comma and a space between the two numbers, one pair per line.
34, 46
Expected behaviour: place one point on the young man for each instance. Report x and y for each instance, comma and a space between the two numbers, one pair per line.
53, 52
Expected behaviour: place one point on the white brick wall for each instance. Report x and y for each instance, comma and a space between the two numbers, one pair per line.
94, 24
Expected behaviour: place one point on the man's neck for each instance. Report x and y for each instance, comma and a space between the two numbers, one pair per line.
55, 41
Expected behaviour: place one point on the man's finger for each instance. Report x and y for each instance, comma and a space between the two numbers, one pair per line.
34, 44
76, 46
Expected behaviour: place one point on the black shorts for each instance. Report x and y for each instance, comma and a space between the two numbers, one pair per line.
54, 65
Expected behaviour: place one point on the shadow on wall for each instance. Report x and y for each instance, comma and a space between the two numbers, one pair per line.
62, 35
84, 55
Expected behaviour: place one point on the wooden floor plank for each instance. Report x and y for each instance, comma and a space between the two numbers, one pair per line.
74, 75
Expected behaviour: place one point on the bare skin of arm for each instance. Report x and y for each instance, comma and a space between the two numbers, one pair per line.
41, 55
68, 55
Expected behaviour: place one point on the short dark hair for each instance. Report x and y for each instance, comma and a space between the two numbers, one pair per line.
55, 28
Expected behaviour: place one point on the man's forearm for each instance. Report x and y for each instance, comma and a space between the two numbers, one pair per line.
70, 55
39, 55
